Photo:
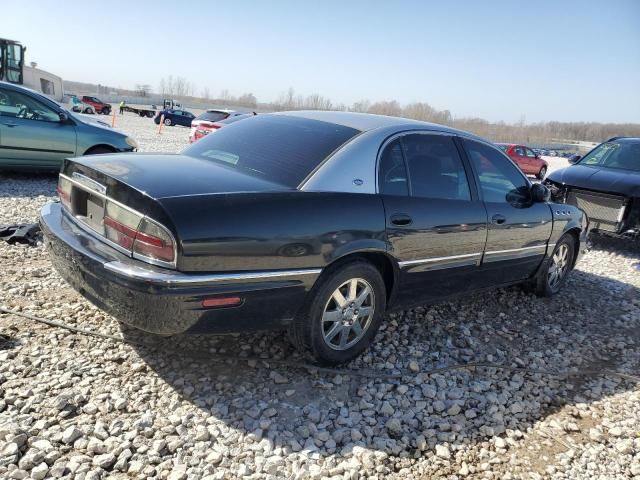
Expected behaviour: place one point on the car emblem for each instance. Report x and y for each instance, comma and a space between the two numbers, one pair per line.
358, 181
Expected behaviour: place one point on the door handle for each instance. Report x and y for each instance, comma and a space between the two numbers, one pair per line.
498, 219
401, 219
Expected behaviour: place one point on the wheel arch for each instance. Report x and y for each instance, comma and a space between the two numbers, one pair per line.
380, 259
105, 146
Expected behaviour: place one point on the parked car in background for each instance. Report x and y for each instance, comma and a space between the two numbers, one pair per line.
605, 183
172, 116
208, 118
346, 217
37, 133
79, 107
528, 161
98, 105
204, 128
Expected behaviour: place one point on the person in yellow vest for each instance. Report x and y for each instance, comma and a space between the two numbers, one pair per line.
122, 107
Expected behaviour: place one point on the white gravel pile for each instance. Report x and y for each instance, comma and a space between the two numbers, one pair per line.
81, 407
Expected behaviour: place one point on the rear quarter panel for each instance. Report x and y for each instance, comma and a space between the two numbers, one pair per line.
272, 231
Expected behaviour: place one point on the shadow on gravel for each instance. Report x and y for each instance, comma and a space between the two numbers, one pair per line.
28, 184
592, 324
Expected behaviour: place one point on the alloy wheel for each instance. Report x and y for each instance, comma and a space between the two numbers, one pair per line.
559, 266
348, 314
542, 173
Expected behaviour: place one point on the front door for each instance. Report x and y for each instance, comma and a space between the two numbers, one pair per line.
435, 223
31, 132
518, 228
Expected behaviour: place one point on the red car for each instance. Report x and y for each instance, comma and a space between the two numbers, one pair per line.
98, 105
528, 161
201, 127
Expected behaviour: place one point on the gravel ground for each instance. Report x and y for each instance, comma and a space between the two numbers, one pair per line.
74, 406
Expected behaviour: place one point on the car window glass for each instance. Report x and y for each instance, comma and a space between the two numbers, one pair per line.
392, 173
615, 155
211, 116
530, 153
17, 105
519, 152
500, 180
435, 167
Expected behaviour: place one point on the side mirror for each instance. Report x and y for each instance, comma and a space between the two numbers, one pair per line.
540, 193
63, 117
573, 159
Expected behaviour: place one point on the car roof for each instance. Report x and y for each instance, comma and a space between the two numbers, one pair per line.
624, 140
365, 121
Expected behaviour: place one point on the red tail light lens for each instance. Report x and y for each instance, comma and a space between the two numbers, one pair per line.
64, 192
146, 239
154, 242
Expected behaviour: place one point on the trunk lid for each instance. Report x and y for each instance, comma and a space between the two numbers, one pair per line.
160, 176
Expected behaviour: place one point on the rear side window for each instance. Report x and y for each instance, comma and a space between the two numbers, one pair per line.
392, 173
212, 116
280, 148
435, 167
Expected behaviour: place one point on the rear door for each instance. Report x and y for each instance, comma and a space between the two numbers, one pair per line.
520, 158
31, 132
435, 222
518, 228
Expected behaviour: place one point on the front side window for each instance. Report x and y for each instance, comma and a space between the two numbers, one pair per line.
625, 156
17, 105
500, 180
530, 153
435, 167
392, 173
519, 151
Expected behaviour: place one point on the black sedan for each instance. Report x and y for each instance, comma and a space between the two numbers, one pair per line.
316, 222
606, 185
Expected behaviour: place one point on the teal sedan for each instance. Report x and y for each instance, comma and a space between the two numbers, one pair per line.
37, 133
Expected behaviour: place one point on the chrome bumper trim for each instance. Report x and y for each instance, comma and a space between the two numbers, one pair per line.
193, 279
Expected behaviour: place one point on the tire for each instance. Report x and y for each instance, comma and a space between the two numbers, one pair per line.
88, 111
150, 114
327, 341
546, 283
98, 151
542, 173
167, 122
106, 111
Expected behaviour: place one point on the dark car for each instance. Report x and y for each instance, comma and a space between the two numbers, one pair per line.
172, 116
528, 160
605, 183
319, 222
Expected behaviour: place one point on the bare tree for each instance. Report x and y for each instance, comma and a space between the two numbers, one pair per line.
248, 100
206, 93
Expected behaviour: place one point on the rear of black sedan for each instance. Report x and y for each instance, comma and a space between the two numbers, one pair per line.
206, 253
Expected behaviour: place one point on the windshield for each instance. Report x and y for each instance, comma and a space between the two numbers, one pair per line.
625, 156
282, 149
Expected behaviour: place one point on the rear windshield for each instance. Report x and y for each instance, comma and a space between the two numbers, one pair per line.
212, 116
278, 148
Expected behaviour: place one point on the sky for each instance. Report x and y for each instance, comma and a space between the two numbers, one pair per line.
499, 60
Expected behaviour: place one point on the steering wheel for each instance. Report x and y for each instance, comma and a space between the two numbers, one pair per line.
23, 112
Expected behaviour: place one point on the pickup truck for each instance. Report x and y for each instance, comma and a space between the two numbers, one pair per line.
98, 105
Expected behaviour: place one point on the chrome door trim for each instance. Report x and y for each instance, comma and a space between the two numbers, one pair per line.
515, 253
467, 258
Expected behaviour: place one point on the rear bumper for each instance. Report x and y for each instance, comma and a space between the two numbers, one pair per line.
163, 301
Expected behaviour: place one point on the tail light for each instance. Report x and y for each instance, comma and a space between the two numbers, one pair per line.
146, 239
64, 192
154, 242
